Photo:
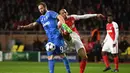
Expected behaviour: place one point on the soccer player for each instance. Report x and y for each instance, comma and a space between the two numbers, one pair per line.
110, 43
75, 41
48, 19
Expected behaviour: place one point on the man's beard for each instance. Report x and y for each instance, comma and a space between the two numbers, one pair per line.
44, 12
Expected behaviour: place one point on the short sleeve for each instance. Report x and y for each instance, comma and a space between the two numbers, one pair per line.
53, 14
38, 21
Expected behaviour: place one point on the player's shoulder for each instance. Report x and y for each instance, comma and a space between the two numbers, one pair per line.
51, 11
70, 17
113, 22
73, 15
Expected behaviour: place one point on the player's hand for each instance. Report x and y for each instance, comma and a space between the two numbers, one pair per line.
102, 44
20, 27
100, 15
114, 45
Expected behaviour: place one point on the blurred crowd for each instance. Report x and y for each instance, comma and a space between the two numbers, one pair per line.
21, 12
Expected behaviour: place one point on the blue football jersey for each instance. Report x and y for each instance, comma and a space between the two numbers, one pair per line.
49, 23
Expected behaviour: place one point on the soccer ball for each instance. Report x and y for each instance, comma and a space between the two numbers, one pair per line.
50, 46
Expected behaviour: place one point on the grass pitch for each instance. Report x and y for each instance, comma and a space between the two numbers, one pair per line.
42, 67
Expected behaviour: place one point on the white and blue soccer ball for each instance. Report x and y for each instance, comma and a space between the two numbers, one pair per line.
50, 46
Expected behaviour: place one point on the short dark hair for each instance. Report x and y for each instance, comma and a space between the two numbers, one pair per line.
43, 3
109, 14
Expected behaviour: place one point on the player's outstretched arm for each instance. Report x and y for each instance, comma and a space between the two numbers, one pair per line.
86, 16
62, 21
31, 25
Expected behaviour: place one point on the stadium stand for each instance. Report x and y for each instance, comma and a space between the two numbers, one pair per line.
22, 12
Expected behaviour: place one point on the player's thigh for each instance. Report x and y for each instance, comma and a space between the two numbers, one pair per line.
78, 45
106, 47
75, 35
59, 43
80, 48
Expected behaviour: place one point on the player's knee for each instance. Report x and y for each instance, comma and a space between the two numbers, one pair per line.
50, 57
84, 57
62, 56
82, 53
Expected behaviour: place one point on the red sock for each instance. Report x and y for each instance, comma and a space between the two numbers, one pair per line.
82, 65
116, 62
105, 59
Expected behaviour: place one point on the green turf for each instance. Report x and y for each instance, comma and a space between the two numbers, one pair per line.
41, 67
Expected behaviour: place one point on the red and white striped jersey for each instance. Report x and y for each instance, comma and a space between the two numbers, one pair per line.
112, 32
70, 21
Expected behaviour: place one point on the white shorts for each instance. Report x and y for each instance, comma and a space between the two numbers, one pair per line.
75, 43
108, 47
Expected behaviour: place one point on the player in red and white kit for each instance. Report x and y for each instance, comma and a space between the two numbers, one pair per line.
75, 41
110, 44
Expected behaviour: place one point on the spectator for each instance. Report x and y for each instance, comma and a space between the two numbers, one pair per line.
37, 45
90, 45
95, 34
97, 51
123, 44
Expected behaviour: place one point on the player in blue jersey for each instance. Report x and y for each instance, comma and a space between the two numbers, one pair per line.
48, 19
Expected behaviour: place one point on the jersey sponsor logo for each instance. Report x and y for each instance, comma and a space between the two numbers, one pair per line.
47, 23
109, 30
110, 27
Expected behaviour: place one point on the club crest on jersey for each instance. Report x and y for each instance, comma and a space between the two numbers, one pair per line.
44, 19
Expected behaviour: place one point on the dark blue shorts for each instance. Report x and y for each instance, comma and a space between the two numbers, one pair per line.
59, 43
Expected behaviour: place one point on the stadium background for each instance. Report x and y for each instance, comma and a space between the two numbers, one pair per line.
21, 12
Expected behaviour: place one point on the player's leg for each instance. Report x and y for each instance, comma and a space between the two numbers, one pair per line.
114, 51
62, 50
66, 63
83, 60
50, 54
82, 53
51, 62
116, 62
106, 61
76, 42
105, 50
